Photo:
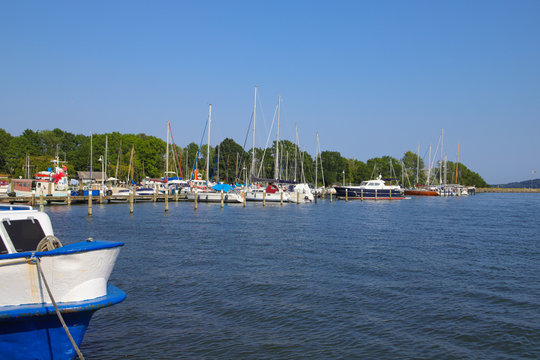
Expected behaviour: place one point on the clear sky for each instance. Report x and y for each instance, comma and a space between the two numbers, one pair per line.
373, 78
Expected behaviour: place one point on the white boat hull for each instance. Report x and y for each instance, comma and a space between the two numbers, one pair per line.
72, 277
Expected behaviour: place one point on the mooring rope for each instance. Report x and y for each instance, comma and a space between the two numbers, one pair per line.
36, 260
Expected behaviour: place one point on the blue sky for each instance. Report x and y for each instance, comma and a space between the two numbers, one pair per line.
373, 78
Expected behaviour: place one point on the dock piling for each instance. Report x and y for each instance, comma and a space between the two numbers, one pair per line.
89, 202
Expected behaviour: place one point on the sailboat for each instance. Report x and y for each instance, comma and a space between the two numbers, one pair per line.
300, 192
207, 191
272, 192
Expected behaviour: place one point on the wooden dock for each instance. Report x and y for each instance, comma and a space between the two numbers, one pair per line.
68, 200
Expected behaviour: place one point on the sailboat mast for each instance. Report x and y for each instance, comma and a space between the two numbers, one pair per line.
429, 166
441, 163
208, 146
253, 146
316, 160
418, 165
457, 162
167, 158
106, 151
276, 159
91, 161
295, 151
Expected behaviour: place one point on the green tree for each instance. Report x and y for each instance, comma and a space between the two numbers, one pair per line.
5, 139
334, 165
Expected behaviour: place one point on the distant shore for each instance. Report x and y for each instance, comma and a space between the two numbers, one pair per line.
507, 190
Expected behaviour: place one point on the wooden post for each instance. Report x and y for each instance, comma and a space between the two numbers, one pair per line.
176, 195
155, 195
69, 198
101, 197
264, 197
49, 190
375, 194
131, 200
41, 201
196, 198
297, 198
166, 200
33, 201
244, 197
362, 194
330, 198
90, 202
346, 195
222, 199
281, 198
390, 194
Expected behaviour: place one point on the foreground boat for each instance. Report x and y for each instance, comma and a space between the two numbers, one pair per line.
45, 284
371, 190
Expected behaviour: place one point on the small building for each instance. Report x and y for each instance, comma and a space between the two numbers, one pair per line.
97, 176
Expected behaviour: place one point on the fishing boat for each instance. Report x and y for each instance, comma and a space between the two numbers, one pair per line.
371, 190
49, 291
50, 183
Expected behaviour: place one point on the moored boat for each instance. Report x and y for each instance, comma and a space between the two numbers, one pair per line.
371, 190
421, 191
45, 284
271, 193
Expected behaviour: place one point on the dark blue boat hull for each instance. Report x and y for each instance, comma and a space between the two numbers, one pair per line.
368, 194
35, 332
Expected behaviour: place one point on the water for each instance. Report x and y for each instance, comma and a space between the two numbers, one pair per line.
432, 278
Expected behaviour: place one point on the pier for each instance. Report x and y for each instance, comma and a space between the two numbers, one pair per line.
68, 200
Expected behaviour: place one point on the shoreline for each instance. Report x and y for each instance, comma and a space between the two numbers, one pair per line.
506, 190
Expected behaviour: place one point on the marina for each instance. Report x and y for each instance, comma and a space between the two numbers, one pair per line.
432, 277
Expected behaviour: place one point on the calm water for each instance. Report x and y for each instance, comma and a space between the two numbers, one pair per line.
433, 278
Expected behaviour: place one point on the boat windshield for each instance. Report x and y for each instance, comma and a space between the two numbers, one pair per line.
364, 183
25, 234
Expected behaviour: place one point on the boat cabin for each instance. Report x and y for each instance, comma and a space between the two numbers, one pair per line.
22, 228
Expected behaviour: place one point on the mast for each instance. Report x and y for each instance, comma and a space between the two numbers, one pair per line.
118, 160
276, 159
253, 147
417, 165
167, 159
208, 146
457, 162
316, 160
106, 151
441, 163
429, 166
217, 176
295, 150
90, 162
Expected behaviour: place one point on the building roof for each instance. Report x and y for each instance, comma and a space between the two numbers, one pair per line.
85, 175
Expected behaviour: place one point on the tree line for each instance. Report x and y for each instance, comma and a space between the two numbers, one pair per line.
139, 156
